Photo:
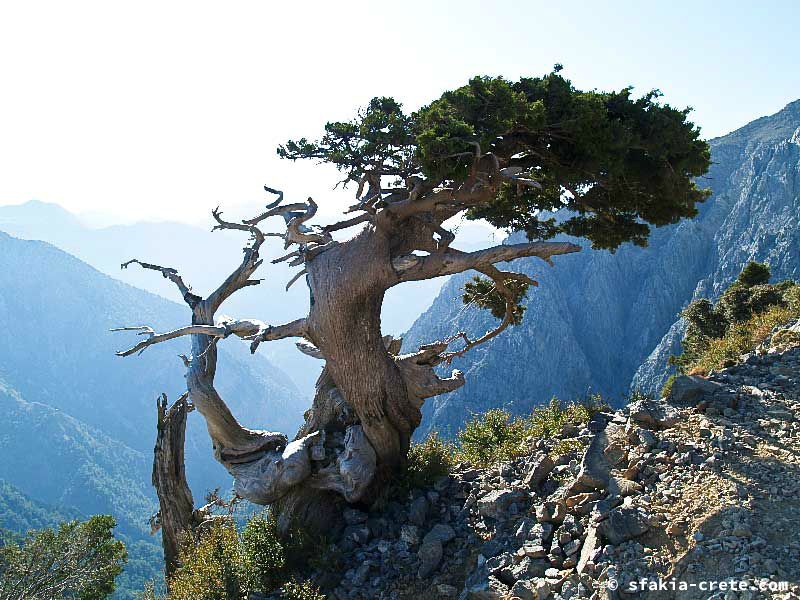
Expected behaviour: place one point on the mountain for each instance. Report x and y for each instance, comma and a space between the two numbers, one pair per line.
57, 351
63, 462
77, 423
603, 322
20, 513
205, 259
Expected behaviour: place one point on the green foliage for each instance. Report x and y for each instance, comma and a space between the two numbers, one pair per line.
213, 569
754, 273
296, 590
427, 460
739, 339
619, 163
263, 554
76, 560
495, 436
666, 390
548, 421
20, 513
492, 437
483, 293
716, 334
792, 298
227, 565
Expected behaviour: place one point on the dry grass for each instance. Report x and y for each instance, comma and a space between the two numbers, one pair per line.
740, 339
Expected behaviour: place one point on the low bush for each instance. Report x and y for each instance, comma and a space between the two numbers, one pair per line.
227, 565
739, 339
427, 461
716, 334
492, 437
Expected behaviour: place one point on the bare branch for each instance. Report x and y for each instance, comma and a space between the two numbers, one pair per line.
348, 223
240, 277
500, 278
296, 328
171, 274
415, 268
245, 329
295, 278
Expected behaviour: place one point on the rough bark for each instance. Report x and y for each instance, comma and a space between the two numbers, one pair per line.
169, 478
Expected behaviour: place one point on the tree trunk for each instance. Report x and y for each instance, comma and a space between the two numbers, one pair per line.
368, 398
169, 479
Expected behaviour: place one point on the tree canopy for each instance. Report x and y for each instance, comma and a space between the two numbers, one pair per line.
617, 163
77, 560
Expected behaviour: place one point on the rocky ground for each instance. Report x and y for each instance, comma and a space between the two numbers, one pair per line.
700, 487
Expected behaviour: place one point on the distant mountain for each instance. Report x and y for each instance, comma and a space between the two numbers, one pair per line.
61, 461
20, 513
57, 350
64, 464
205, 259
605, 322
77, 423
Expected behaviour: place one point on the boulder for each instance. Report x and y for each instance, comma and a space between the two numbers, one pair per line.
624, 524
480, 585
539, 472
689, 389
418, 511
591, 544
654, 414
430, 555
440, 532
410, 534
533, 589
495, 502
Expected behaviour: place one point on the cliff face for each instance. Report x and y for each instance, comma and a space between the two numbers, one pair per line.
602, 322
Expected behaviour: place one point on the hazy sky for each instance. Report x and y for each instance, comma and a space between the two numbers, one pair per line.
162, 110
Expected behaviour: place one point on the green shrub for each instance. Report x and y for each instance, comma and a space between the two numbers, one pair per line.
740, 339
427, 461
211, 569
548, 421
716, 334
496, 437
492, 437
263, 555
226, 565
667, 389
77, 560
792, 298
754, 273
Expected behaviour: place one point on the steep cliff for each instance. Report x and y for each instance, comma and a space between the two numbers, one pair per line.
602, 322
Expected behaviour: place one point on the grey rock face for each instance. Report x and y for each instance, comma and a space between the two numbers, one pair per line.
608, 323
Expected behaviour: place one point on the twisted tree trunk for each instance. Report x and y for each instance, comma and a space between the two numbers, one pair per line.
368, 398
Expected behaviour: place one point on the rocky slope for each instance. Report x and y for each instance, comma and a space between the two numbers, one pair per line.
700, 486
607, 323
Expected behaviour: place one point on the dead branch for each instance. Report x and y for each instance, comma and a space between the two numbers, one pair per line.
171, 274
415, 268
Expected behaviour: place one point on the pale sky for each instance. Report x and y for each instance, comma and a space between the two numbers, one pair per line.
163, 110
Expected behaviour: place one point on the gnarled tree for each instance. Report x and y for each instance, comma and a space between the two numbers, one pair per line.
508, 152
